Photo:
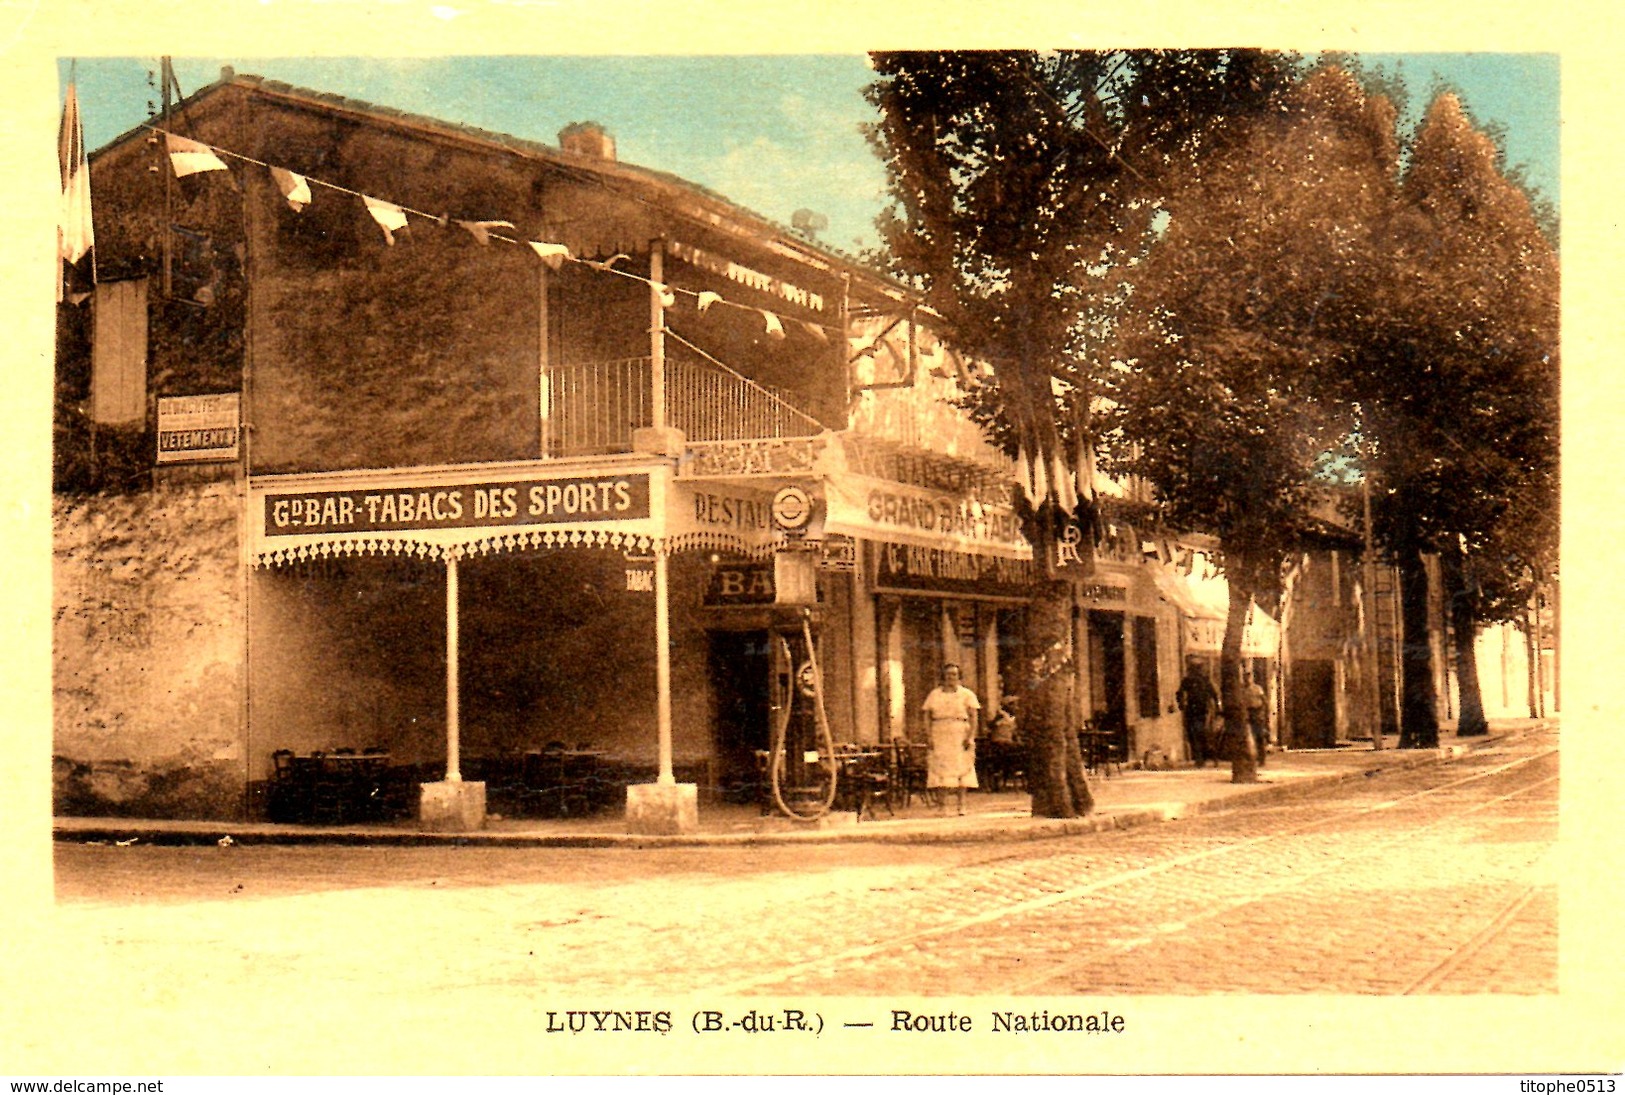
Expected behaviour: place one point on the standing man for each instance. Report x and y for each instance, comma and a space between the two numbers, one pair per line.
1257, 718
1198, 701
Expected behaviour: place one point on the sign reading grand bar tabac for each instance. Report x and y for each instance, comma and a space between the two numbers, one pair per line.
459, 505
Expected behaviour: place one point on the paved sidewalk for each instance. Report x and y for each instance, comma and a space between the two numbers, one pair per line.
1122, 800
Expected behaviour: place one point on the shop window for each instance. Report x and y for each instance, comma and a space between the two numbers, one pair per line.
1145, 665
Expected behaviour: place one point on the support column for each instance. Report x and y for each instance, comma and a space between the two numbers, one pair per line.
454, 772
657, 333
664, 807
663, 666
658, 438
452, 805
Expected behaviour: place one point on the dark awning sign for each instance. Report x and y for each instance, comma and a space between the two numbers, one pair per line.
912, 568
515, 503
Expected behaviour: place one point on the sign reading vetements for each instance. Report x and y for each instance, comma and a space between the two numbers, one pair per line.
464, 505
197, 427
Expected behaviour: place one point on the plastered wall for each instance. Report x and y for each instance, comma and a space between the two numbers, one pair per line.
148, 645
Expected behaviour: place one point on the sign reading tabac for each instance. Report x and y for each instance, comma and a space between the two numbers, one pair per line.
195, 428
461, 505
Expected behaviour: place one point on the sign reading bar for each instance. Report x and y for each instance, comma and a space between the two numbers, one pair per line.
908, 567
463, 505
198, 427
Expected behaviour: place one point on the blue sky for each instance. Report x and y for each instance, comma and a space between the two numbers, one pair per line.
772, 133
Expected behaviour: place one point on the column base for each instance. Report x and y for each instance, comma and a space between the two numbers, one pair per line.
451, 807
662, 809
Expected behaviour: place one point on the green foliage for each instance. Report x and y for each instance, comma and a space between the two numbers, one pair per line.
1461, 377
1025, 184
1239, 342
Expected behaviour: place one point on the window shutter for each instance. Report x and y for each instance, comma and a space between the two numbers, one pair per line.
118, 386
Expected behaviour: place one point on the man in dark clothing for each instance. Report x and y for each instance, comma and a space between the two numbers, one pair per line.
1198, 701
1258, 719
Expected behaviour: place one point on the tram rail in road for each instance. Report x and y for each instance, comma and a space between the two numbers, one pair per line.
1022, 932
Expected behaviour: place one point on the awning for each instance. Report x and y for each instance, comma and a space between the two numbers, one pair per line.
1203, 599
897, 513
447, 512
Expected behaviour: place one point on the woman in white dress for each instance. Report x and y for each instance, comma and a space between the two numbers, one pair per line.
951, 714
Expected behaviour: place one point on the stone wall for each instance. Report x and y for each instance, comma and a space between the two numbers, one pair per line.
148, 652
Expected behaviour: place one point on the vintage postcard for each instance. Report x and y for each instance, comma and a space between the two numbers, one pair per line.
558, 540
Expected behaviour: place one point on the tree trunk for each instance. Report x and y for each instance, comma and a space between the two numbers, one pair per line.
1418, 715
1237, 741
1464, 630
1055, 774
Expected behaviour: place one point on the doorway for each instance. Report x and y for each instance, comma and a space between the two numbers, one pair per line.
1107, 684
739, 669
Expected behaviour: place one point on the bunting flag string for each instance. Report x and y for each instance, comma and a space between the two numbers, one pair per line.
190, 157
554, 254
481, 230
293, 187
390, 217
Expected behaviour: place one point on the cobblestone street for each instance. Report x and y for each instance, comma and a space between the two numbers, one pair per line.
1434, 879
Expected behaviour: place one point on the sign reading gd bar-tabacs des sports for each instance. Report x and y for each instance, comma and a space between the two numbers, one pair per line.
460, 505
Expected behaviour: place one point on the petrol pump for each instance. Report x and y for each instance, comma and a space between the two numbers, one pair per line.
802, 772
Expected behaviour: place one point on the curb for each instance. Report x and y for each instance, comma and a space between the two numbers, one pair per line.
1015, 831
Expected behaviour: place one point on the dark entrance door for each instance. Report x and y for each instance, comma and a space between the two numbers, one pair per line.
739, 667
1107, 678
1312, 704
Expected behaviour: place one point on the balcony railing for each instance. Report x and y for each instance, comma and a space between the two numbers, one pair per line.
591, 408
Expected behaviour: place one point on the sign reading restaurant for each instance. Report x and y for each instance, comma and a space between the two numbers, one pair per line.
461, 505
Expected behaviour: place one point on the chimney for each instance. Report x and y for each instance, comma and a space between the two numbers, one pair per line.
587, 139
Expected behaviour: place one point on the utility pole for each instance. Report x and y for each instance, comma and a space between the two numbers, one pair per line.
1368, 637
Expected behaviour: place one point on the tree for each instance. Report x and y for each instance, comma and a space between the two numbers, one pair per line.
1015, 177
1459, 376
1230, 397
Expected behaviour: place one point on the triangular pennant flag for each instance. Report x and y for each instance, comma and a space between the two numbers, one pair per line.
609, 263
553, 254
76, 230
293, 187
707, 299
1024, 477
190, 157
1040, 481
390, 217
481, 230
668, 299
775, 329
1086, 470
816, 331
1064, 497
